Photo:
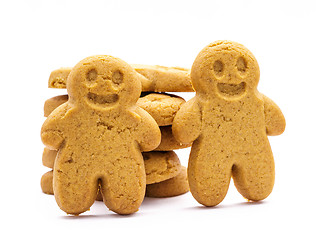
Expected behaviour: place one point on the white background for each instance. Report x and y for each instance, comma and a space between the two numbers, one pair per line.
40, 36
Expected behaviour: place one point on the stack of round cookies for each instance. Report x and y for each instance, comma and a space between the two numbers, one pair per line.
165, 177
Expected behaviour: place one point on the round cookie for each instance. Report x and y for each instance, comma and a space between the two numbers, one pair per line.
162, 107
168, 141
46, 182
153, 78
165, 79
161, 166
48, 157
52, 103
169, 188
58, 78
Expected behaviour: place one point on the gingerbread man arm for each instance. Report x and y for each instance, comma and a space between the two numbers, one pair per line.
186, 125
51, 131
275, 121
148, 132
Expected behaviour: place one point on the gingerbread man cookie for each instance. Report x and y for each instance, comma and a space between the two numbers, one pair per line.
100, 133
228, 122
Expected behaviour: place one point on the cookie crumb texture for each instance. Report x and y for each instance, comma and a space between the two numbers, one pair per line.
58, 78
161, 166
162, 107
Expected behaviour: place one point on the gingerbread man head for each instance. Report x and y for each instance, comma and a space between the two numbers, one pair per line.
103, 83
225, 69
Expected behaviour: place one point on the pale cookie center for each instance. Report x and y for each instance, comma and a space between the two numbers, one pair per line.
104, 100
231, 89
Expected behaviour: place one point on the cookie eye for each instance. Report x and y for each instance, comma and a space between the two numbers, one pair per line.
117, 77
92, 75
218, 68
241, 65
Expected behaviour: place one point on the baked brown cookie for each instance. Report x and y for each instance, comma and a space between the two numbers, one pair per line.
48, 157
161, 166
46, 182
162, 107
228, 122
168, 141
100, 133
153, 78
169, 188
165, 79
58, 78
52, 103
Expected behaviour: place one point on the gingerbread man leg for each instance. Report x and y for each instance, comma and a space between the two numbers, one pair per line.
208, 178
123, 185
75, 187
254, 178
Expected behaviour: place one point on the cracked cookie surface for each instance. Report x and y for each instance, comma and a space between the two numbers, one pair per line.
161, 166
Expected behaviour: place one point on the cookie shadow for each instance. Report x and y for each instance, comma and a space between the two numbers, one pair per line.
106, 215
98, 211
156, 201
152, 201
226, 206
96, 216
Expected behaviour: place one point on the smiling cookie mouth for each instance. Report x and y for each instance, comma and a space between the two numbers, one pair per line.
103, 100
231, 89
